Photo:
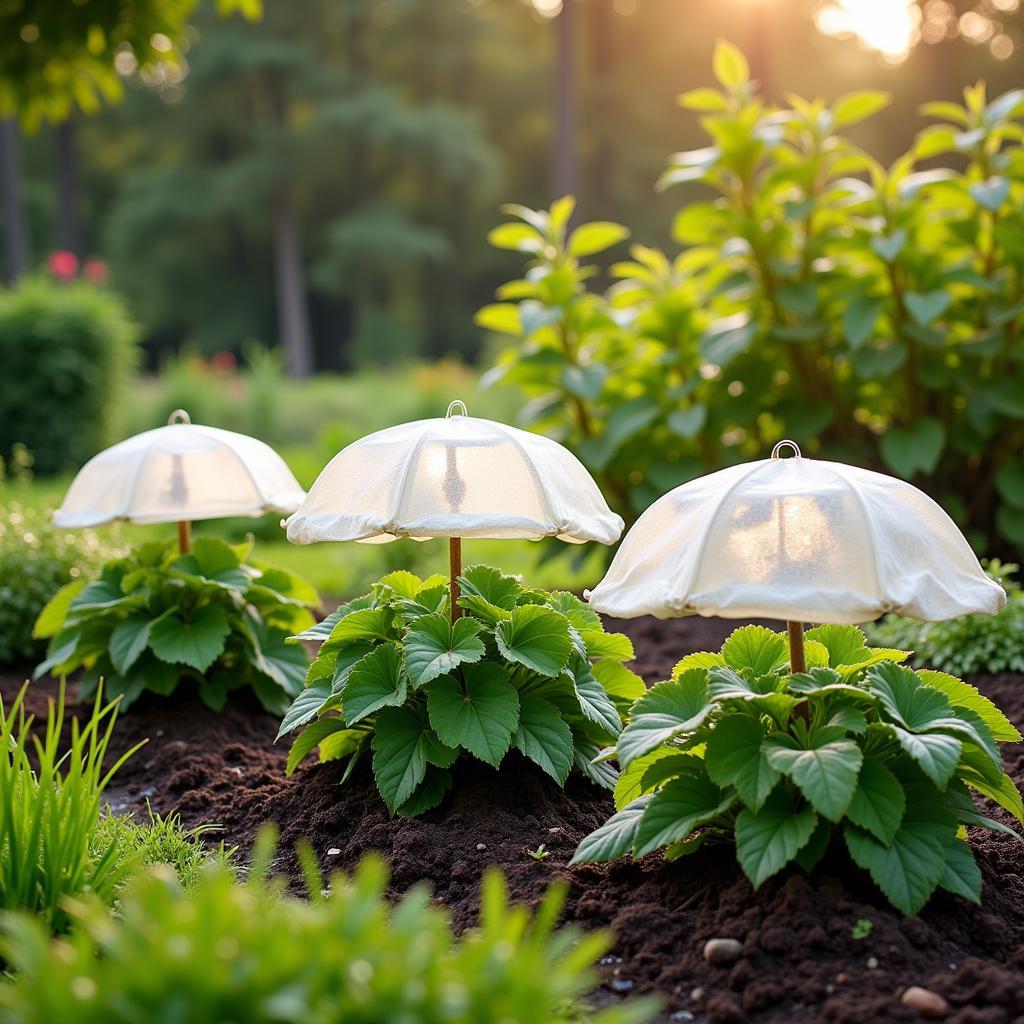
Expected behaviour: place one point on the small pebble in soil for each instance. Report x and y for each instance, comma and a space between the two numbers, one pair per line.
333, 852
872, 963
841, 978
926, 1002
607, 961
621, 984
554, 831
697, 994
722, 951
682, 1015
481, 846
237, 771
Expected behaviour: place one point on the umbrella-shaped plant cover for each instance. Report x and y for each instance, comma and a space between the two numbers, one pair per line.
457, 476
800, 540
179, 473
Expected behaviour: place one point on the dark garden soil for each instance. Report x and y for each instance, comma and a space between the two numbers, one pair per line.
799, 961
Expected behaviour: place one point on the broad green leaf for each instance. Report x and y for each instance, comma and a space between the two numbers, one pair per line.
129, 639
730, 66
578, 612
196, 642
912, 450
905, 698
403, 745
51, 618
596, 705
846, 645
624, 687
282, 662
429, 793
595, 237
323, 629
1004, 793
859, 321
586, 757
736, 757
481, 609
493, 586
363, 624
58, 652
699, 659
909, 869
878, 801
768, 839
824, 768
544, 737
376, 681
402, 582
676, 810
480, 715
614, 838
704, 100
631, 781
755, 649
536, 637
434, 645
215, 560
847, 718
963, 695
616, 646
305, 707
814, 850
961, 875
925, 308
856, 106
312, 736
936, 754
665, 711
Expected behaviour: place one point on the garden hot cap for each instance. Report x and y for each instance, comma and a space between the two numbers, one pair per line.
180, 472
456, 476
796, 539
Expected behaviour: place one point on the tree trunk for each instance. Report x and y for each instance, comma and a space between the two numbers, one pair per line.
565, 175
69, 230
15, 232
289, 274
601, 97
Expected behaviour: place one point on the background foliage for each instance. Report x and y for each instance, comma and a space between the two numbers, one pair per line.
872, 313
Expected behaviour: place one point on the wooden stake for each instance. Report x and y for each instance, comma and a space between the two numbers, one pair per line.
455, 568
797, 661
185, 536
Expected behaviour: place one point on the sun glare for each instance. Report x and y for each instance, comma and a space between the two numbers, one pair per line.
891, 27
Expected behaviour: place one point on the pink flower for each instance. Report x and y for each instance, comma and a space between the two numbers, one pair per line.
95, 271
63, 264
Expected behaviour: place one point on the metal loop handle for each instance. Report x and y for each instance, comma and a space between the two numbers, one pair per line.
786, 444
179, 416
458, 404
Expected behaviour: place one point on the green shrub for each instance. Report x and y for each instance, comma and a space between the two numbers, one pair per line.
857, 748
51, 834
36, 559
524, 669
871, 313
156, 617
68, 352
966, 646
250, 953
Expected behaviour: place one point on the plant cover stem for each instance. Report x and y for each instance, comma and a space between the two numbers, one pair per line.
185, 536
455, 568
797, 661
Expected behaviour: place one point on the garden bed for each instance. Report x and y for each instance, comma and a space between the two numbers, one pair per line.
800, 961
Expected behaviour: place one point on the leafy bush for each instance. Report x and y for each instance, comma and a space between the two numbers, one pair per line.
734, 747
872, 314
35, 560
966, 646
156, 617
51, 839
525, 669
68, 352
249, 953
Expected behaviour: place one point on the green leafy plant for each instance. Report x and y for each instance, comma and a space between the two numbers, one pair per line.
966, 646
857, 748
249, 952
862, 929
521, 668
52, 842
68, 352
871, 313
156, 617
36, 559
541, 853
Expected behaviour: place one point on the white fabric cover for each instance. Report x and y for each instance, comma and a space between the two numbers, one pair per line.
796, 539
183, 471
454, 477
